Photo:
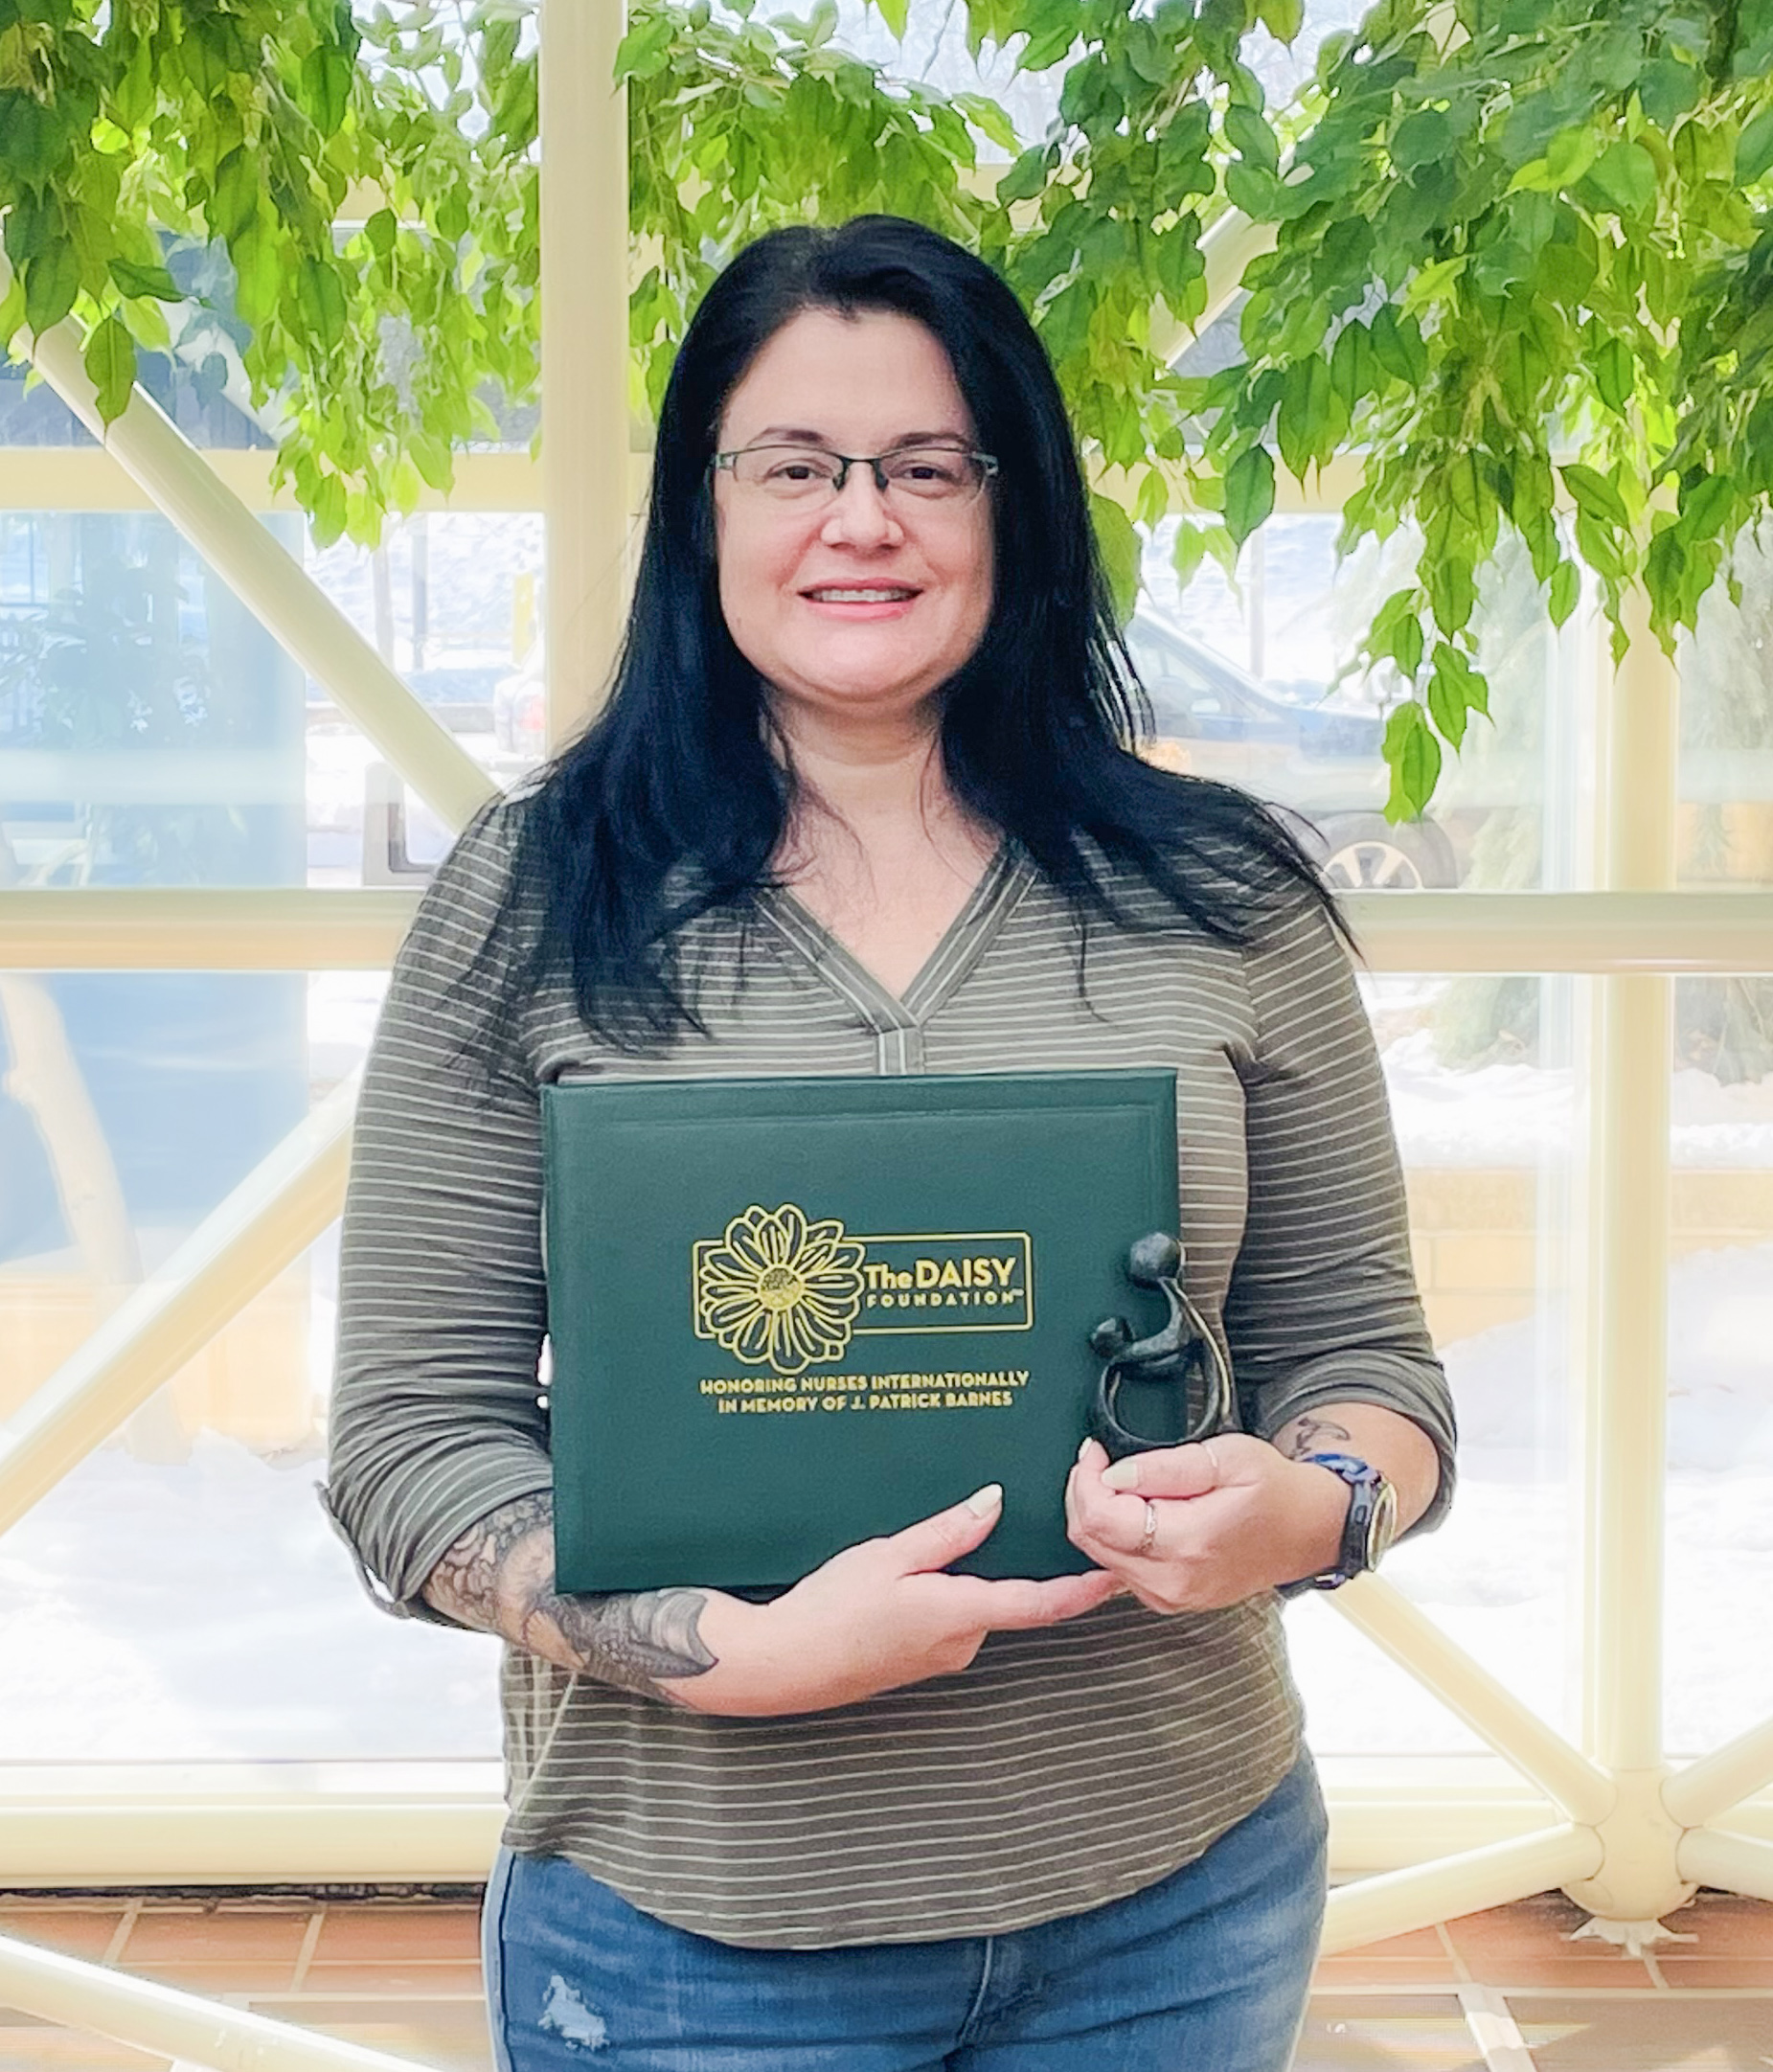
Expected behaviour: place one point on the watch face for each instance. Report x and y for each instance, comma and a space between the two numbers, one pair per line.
1382, 1526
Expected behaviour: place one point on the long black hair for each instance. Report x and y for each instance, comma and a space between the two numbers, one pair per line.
674, 803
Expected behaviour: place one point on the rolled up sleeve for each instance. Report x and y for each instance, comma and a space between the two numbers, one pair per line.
436, 1420
1323, 1305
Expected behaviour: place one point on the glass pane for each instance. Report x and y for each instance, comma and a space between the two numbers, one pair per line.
1721, 1381
1258, 685
151, 730
181, 1594
1481, 1088
1724, 835
451, 599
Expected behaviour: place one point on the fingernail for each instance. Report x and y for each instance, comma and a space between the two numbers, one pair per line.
1084, 1447
1121, 1475
983, 1502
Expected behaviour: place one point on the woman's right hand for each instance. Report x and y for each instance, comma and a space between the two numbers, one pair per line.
874, 1617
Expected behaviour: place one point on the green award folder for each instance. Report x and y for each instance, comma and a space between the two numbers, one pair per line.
790, 1315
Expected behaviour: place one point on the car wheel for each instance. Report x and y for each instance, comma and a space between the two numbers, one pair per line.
1369, 855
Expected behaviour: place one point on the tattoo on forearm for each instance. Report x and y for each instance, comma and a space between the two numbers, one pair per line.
1310, 1435
498, 1577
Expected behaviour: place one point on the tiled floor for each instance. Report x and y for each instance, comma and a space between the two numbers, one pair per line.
403, 1976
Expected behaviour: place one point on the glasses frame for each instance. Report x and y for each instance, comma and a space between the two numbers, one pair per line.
986, 462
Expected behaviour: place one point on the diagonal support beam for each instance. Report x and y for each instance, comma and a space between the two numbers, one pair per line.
1721, 1780
181, 2026
1372, 1909
1732, 1862
270, 1219
268, 581
1416, 1643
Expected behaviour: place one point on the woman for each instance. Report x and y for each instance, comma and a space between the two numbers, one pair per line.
862, 803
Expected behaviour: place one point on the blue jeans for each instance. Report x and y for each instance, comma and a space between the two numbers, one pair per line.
1205, 1971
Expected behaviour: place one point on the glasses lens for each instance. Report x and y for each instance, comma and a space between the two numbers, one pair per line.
934, 472
787, 471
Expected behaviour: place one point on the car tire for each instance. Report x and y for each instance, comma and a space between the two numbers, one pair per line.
1365, 853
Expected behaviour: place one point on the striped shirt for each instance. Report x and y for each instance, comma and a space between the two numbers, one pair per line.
1065, 1767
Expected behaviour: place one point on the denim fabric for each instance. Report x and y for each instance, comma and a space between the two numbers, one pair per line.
1205, 1971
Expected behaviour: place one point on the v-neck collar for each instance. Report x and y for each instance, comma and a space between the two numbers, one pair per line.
1006, 879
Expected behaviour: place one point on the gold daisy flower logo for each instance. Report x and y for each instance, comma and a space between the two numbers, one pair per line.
779, 1289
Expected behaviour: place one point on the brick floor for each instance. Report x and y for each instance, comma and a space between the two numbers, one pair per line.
402, 1975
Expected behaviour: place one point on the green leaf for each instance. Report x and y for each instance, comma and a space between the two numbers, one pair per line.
1313, 418
1595, 495
12, 312
110, 363
1397, 631
236, 197
1025, 177
1117, 541
154, 280
326, 76
1449, 692
1413, 757
1420, 139
1569, 155
893, 14
52, 280
328, 511
1566, 588
1351, 364
1282, 18
1706, 505
321, 300
1397, 344
1249, 493
1626, 174
1251, 138
1614, 371
645, 50
380, 229
1754, 148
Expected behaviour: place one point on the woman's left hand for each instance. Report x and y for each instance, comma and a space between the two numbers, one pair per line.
1197, 1527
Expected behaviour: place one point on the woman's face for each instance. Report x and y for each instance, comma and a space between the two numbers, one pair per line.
860, 384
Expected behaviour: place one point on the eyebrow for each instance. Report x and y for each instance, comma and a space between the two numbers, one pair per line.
800, 435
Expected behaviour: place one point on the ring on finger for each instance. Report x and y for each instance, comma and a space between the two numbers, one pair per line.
1148, 1538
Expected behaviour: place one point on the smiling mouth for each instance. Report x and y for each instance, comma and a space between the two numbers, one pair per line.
849, 594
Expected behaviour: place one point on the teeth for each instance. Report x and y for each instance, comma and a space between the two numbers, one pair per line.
859, 597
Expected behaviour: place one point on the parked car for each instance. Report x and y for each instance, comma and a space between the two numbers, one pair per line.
1317, 757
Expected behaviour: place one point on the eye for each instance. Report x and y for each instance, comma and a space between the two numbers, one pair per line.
799, 467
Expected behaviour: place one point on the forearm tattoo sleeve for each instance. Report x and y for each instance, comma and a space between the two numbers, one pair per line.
498, 1577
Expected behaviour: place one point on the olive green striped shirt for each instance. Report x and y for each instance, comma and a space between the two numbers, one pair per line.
1065, 1767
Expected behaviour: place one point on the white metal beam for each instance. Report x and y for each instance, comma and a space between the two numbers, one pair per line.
1721, 1781
1411, 1638
88, 478
1624, 1404
205, 928
178, 2025
584, 293
1732, 1862
147, 929
1397, 1901
270, 1219
268, 580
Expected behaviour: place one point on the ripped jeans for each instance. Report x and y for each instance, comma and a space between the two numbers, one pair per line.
1205, 1971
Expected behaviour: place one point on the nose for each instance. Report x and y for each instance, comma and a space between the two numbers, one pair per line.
860, 513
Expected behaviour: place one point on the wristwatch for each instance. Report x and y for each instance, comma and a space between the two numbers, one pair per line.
1369, 1529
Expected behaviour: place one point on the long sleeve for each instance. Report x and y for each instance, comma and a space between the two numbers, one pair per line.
441, 1309
1323, 1305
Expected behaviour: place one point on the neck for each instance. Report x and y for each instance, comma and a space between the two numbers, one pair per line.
872, 787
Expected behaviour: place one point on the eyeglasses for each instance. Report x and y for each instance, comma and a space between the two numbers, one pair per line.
811, 475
